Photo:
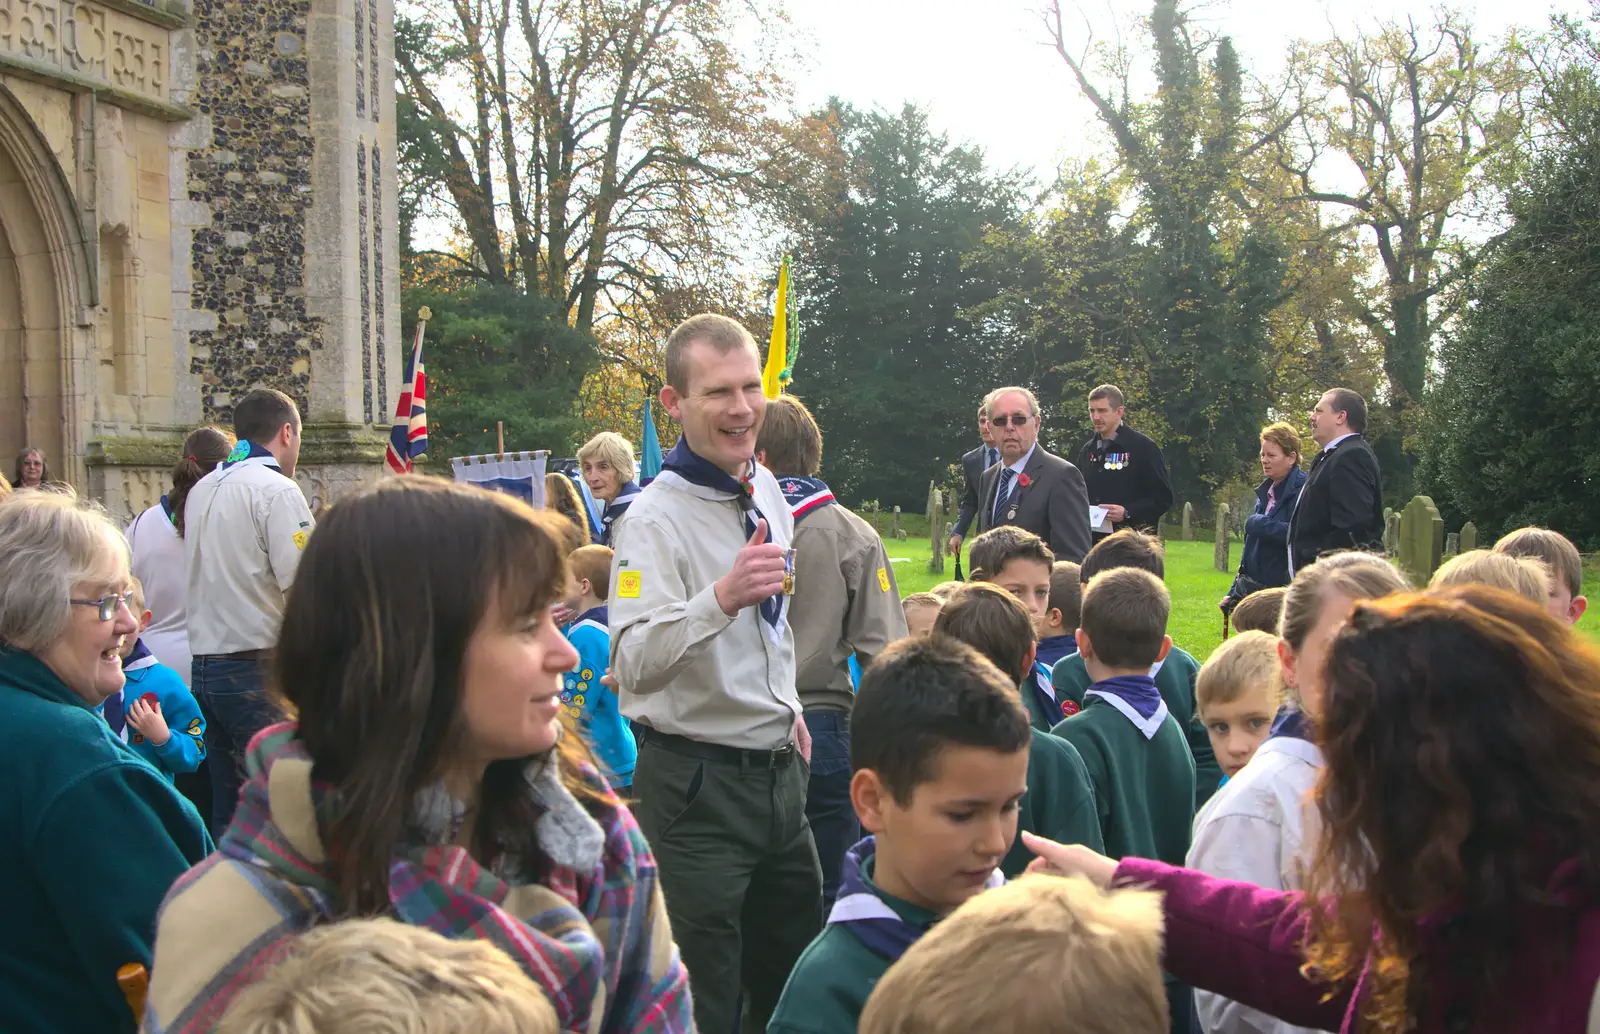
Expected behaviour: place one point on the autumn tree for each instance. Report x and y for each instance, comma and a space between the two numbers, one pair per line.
586, 149
1413, 117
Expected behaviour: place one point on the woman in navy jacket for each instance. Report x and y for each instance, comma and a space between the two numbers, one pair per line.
1265, 562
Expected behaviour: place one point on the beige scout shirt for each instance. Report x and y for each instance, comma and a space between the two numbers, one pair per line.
845, 602
682, 665
244, 528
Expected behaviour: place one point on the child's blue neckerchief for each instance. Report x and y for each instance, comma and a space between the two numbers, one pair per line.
598, 617
869, 917
1045, 689
251, 454
1053, 648
684, 462
805, 495
617, 507
1292, 723
1136, 697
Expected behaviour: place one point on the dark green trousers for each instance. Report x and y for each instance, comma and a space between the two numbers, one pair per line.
740, 875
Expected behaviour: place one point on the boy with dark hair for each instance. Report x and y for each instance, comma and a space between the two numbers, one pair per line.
1018, 561
1134, 749
1566, 601
1175, 674
1058, 638
1260, 611
939, 744
593, 705
1059, 798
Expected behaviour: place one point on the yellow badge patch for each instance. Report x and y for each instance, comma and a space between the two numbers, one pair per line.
628, 584
300, 540
883, 578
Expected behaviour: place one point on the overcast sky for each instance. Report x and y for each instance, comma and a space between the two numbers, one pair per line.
985, 73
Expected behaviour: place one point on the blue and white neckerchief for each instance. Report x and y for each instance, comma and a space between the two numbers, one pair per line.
113, 709
617, 507
166, 508
594, 617
1293, 724
1045, 689
696, 470
1136, 697
805, 495
869, 917
249, 454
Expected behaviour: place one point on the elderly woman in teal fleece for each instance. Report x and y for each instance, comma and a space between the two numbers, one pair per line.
91, 836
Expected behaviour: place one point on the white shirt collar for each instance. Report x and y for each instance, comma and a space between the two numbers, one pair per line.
1337, 440
1023, 462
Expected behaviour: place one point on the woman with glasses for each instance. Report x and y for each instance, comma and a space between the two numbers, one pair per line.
428, 776
91, 836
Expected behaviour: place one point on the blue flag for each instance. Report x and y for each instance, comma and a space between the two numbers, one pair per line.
649, 447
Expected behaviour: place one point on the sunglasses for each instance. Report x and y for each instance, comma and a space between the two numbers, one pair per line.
1016, 420
106, 606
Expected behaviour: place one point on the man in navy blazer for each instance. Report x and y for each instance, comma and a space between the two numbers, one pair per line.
1341, 505
1029, 487
973, 464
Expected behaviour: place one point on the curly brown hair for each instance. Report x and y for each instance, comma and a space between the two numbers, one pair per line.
1437, 705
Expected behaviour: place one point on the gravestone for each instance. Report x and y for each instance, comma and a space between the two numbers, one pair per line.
1452, 544
1421, 539
936, 531
1188, 522
1221, 555
899, 535
1391, 533
1469, 537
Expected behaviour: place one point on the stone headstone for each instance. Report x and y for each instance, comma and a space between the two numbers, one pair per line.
1469, 537
1188, 522
936, 532
897, 532
1421, 539
1391, 533
1452, 544
1221, 555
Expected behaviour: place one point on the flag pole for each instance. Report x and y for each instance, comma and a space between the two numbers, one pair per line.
500, 439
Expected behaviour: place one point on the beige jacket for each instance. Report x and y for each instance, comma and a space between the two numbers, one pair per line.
682, 665
845, 602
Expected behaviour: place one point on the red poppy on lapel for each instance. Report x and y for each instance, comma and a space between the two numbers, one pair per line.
1023, 480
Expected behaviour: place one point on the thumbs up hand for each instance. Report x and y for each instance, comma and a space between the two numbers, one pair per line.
756, 575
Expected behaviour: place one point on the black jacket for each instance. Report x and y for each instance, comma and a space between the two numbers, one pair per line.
1341, 506
1131, 472
1053, 505
1266, 535
973, 464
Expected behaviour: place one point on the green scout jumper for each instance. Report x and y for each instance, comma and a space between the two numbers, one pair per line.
1175, 682
1059, 804
1144, 788
831, 981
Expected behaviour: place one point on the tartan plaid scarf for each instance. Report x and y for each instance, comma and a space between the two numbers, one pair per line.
437, 885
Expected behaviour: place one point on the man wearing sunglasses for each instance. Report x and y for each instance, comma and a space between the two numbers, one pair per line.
1031, 487
245, 525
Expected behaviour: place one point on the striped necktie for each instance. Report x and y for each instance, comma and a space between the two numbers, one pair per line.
1003, 493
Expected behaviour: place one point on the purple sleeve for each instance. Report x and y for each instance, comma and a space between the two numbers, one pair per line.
1239, 941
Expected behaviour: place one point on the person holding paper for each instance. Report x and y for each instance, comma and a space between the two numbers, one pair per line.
1030, 487
1124, 470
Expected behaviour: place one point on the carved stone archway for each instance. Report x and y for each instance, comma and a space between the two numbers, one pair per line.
48, 291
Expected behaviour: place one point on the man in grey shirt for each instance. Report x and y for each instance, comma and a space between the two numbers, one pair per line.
705, 666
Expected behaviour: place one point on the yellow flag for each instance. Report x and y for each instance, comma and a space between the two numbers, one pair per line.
778, 348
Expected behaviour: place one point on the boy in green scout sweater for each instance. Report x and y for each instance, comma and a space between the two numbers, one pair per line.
1138, 759
1060, 795
1175, 674
1019, 562
939, 747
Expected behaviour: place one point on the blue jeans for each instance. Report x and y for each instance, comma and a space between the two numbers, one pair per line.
233, 700
833, 818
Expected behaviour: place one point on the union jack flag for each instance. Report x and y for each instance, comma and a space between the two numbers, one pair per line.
409, 438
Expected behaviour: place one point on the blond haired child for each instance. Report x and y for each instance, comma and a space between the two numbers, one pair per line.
376, 976
592, 704
1238, 694
1059, 956
1527, 576
1566, 601
921, 610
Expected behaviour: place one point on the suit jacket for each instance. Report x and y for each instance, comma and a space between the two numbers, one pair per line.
973, 464
1054, 505
1341, 505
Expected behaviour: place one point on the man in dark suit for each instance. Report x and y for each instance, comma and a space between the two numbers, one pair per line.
1341, 505
973, 464
1030, 487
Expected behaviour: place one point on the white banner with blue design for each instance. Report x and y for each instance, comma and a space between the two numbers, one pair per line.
515, 473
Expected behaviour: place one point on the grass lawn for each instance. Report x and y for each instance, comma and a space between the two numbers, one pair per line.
1196, 586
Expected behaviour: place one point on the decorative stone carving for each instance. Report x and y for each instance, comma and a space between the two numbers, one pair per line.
83, 40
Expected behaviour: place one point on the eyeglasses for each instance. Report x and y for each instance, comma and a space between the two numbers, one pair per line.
1017, 420
107, 605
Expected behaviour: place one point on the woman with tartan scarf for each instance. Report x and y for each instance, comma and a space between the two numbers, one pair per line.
428, 777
